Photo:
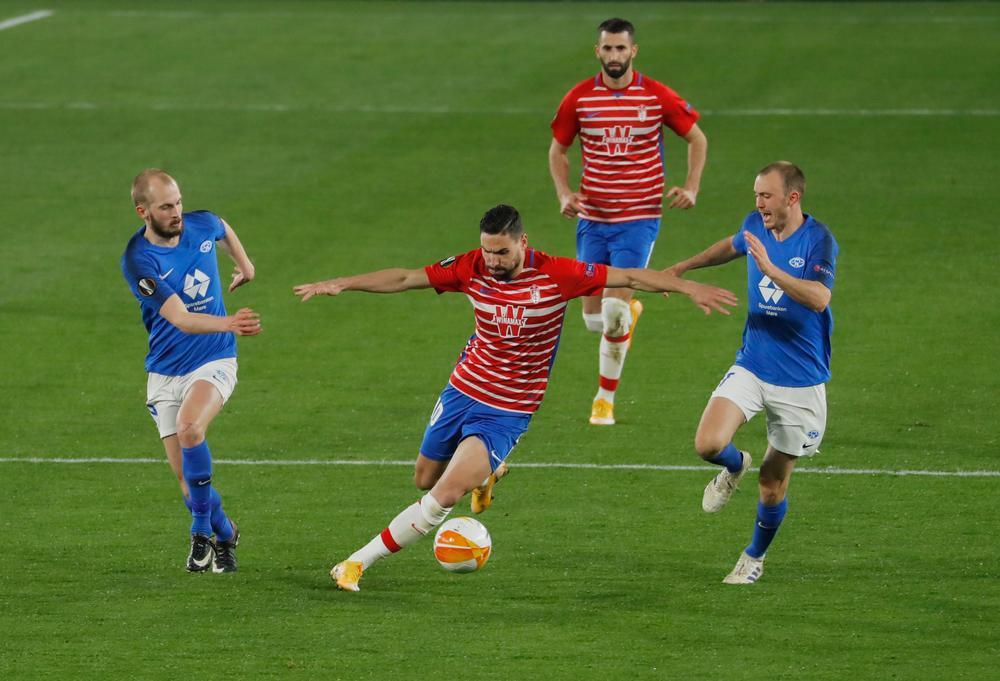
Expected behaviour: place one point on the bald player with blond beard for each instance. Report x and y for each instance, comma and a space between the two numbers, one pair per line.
170, 265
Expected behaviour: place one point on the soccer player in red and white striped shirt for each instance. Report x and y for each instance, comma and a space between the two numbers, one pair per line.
619, 116
519, 296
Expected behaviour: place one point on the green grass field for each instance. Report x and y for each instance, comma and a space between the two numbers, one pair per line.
343, 137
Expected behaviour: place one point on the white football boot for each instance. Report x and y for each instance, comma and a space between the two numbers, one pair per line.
747, 571
721, 487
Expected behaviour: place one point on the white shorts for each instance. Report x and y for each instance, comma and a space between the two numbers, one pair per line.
796, 417
164, 394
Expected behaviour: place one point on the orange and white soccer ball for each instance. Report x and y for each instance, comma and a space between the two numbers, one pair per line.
462, 545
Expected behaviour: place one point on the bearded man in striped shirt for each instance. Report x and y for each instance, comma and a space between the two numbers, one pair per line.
619, 115
519, 296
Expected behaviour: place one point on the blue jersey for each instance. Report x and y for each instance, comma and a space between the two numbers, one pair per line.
784, 342
190, 269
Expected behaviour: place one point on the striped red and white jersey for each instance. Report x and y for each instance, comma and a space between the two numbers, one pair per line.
621, 138
506, 363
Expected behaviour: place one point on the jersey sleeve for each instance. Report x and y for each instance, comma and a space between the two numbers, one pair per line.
576, 278
821, 265
219, 227
451, 274
144, 280
740, 241
678, 114
565, 124
210, 222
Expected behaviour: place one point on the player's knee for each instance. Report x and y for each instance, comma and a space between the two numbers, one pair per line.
449, 490
708, 445
616, 316
190, 433
448, 495
594, 322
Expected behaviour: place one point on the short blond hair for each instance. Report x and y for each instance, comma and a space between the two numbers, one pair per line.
792, 177
141, 184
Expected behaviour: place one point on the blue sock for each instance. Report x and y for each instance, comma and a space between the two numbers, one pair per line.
197, 468
730, 457
221, 524
768, 521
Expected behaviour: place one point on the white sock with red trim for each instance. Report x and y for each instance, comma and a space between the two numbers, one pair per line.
406, 528
614, 345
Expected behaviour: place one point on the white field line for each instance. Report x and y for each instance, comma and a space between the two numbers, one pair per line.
562, 17
852, 112
25, 18
451, 110
826, 470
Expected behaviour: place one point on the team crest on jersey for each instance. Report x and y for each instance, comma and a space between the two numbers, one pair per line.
447, 262
535, 294
589, 270
206, 246
617, 139
147, 286
509, 320
641, 111
797, 262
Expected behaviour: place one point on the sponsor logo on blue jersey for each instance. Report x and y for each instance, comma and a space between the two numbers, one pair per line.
770, 291
196, 284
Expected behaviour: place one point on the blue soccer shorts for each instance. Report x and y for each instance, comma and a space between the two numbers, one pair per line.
457, 416
619, 244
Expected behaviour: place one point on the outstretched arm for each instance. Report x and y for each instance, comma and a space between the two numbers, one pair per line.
245, 322
383, 281
244, 271
720, 252
706, 297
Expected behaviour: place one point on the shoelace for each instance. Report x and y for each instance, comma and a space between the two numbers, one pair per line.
725, 480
